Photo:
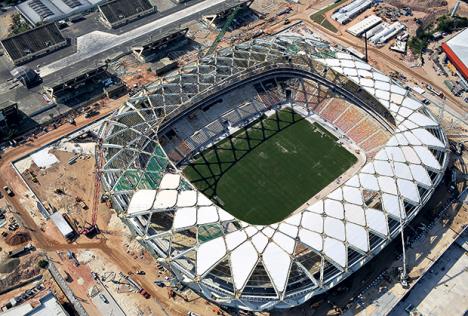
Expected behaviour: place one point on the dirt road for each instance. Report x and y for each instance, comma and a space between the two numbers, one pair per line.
42, 241
304, 17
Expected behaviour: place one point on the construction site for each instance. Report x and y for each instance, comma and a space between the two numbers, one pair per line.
65, 241
66, 204
70, 210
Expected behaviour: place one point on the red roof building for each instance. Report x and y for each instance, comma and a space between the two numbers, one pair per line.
457, 52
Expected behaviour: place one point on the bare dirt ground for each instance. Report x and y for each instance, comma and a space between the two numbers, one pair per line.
49, 285
75, 180
79, 279
114, 251
5, 22
136, 73
126, 254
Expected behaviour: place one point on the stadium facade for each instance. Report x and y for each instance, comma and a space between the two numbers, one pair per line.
284, 264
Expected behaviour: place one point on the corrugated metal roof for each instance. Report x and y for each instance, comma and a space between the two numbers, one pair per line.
457, 51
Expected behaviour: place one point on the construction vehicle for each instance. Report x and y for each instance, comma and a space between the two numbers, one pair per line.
135, 285
8, 191
72, 258
59, 191
71, 120
91, 113
16, 253
103, 298
81, 203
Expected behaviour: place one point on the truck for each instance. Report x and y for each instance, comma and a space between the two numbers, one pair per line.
91, 113
20, 251
71, 257
8, 191
63, 226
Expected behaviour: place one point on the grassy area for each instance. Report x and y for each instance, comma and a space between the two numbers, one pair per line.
270, 168
319, 16
18, 25
418, 44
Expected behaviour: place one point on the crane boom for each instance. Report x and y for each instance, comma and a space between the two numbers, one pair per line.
221, 33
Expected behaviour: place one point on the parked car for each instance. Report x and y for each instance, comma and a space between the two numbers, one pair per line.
103, 298
91, 113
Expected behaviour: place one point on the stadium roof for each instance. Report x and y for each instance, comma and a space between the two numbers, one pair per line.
33, 41
43, 11
457, 51
340, 231
117, 10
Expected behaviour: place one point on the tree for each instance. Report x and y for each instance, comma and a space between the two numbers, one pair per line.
43, 263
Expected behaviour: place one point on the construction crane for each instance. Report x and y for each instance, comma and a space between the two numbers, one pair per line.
92, 229
223, 31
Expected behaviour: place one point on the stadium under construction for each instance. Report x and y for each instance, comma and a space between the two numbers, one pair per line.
242, 101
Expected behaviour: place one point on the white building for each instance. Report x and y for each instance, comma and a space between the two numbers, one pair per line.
43, 11
360, 28
388, 32
48, 306
350, 11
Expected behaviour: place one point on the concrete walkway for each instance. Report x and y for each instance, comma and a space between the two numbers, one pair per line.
94, 43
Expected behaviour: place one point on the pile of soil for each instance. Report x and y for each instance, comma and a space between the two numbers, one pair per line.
9, 265
17, 238
418, 5
18, 271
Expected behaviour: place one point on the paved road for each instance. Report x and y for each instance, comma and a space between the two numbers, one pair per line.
111, 307
66, 290
94, 43
42, 241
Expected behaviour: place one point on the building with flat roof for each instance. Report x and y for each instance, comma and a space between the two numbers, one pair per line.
218, 20
116, 13
65, 229
385, 34
348, 12
360, 28
456, 50
8, 114
29, 45
48, 306
44, 11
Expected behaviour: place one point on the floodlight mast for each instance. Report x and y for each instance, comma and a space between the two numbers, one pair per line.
404, 275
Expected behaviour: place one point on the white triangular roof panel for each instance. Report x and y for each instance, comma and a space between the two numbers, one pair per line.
141, 201
243, 261
277, 262
335, 250
209, 253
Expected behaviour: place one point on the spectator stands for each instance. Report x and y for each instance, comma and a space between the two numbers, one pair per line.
209, 122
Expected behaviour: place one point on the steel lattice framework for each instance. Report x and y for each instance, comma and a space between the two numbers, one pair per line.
283, 264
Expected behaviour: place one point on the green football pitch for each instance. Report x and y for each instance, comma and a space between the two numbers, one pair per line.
267, 170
